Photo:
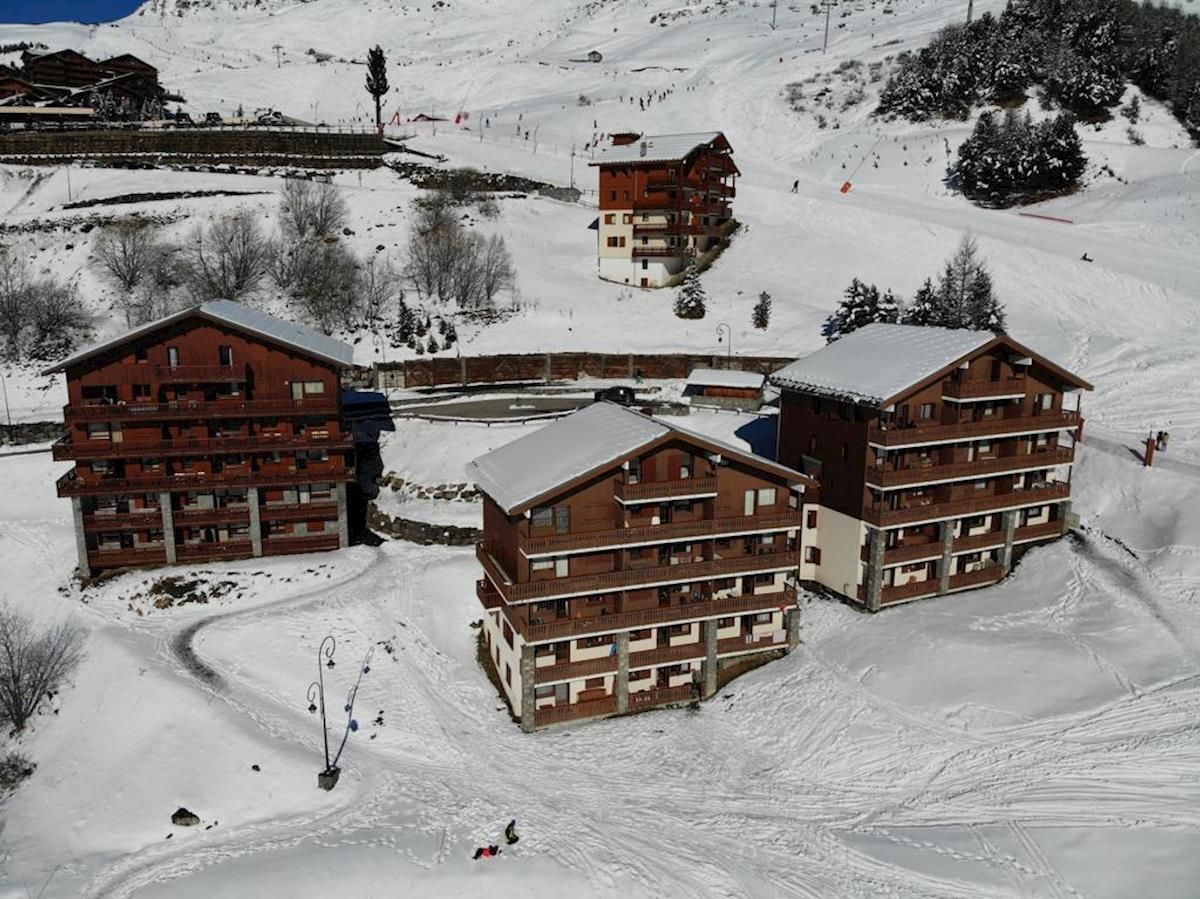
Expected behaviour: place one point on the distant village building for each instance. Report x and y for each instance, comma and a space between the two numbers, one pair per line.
630, 564
119, 88
942, 456
724, 389
664, 201
214, 433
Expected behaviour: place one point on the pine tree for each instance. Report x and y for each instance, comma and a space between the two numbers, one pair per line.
964, 297
377, 83
761, 317
432, 346
405, 321
691, 300
861, 305
923, 309
890, 308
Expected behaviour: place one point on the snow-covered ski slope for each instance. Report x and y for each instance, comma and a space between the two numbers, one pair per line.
1035, 739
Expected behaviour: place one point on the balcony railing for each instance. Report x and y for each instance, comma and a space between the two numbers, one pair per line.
194, 552
634, 577
299, 512
538, 631
488, 596
200, 517
998, 426
645, 491
883, 478
639, 252
229, 408
64, 449
124, 557
990, 540
124, 521
986, 575
650, 229
1039, 531
970, 390
664, 533
908, 591
911, 552
644, 699
200, 374
71, 484
310, 543
958, 508
556, 714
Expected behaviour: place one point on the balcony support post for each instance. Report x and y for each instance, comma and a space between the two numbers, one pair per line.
877, 546
1008, 521
255, 521
791, 620
710, 657
946, 533
84, 567
343, 516
168, 525
621, 682
528, 696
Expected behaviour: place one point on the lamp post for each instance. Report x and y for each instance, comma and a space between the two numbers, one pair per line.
7, 413
728, 339
327, 779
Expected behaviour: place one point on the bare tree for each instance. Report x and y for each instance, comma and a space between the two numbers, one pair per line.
39, 317
126, 253
445, 262
498, 274
161, 292
310, 209
325, 285
228, 260
33, 664
378, 287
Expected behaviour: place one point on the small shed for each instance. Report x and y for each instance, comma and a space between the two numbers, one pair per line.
595, 56
738, 390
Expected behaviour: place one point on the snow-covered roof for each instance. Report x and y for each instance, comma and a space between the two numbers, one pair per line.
659, 148
717, 377
243, 318
516, 474
878, 362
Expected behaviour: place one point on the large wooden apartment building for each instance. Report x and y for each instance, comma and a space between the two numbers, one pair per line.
214, 433
664, 201
626, 562
941, 456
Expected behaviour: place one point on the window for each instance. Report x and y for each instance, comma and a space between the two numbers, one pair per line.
542, 564
974, 521
627, 218
141, 392
766, 496
625, 195
610, 218
926, 411
682, 505
748, 503
810, 520
635, 471
1046, 401
611, 242
225, 356
98, 430
814, 444
909, 569
562, 519
983, 446
620, 241
763, 617
981, 485
508, 634
845, 450
644, 674
812, 555
594, 683
542, 517
545, 691
508, 674
612, 194
645, 263
139, 354
173, 356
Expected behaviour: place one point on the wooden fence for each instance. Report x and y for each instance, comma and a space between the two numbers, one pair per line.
463, 370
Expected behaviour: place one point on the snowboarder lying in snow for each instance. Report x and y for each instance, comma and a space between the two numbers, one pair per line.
487, 852
510, 832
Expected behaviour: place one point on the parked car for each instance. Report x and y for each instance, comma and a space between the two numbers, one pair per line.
622, 396
212, 118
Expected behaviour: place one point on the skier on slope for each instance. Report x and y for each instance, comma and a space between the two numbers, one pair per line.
487, 852
510, 832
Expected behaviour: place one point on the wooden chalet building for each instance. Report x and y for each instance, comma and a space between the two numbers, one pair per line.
121, 87
941, 456
61, 68
627, 561
664, 200
214, 433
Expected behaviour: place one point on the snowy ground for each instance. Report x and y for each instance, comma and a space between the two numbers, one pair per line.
1038, 738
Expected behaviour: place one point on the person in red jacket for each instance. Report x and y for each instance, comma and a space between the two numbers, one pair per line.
487, 852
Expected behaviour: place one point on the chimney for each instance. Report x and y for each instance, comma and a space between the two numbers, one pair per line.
642, 149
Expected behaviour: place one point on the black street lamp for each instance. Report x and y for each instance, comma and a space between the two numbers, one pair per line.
328, 778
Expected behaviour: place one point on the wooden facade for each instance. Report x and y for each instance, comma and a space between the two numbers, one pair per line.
632, 586
658, 214
200, 440
942, 486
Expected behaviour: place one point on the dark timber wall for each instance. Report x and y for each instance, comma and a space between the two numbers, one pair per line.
560, 367
215, 147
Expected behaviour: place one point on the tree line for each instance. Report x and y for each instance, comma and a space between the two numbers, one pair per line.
963, 297
1079, 53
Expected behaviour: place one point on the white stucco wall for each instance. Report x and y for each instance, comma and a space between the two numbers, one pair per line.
840, 539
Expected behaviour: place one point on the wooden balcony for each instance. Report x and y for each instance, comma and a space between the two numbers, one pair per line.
646, 491
652, 229
565, 671
633, 577
123, 521
208, 552
201, 517
127, 557
71, 484
308, 543
64, 449
201, 374
987, 575
646, 699
556, 714
299, 512
978, 390
669, 252
993, 502
908, 591
1045, 531
489, 597
990, 540
664, 533
908, 552
194, 409
998, 426
539, 631
885, 478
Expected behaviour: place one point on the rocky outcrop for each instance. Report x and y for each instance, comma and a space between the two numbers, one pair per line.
461, 492
422, 532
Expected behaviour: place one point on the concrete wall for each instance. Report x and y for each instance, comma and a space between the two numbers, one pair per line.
840, 541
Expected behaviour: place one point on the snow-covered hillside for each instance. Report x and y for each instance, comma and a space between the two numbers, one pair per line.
1034, 739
